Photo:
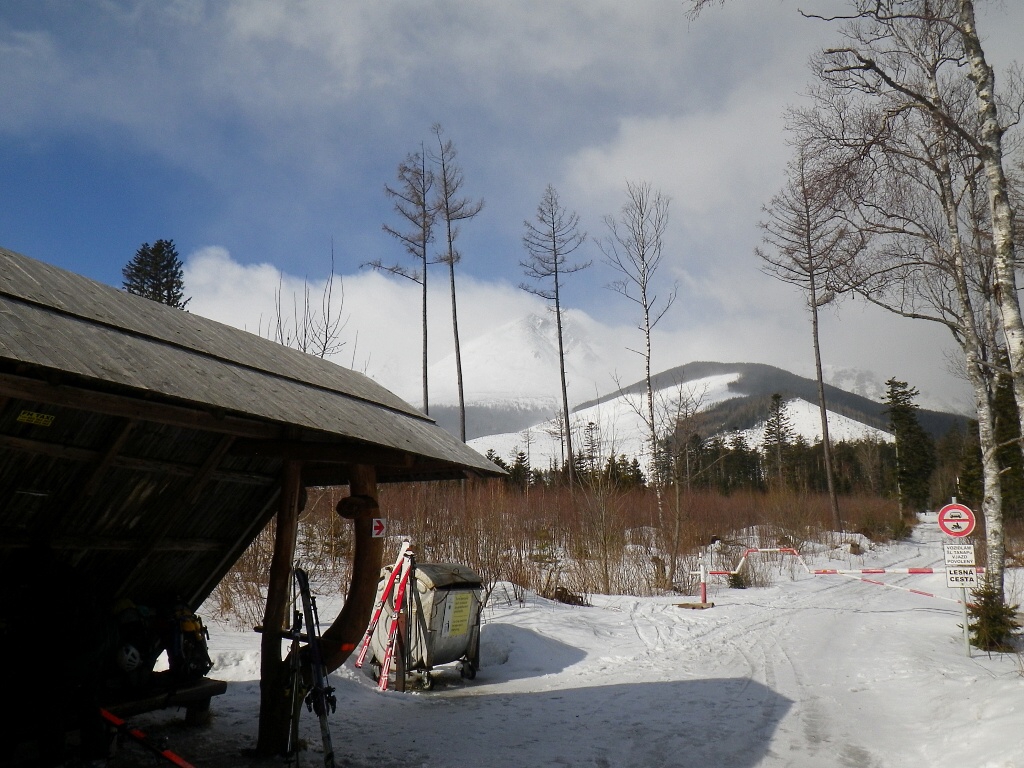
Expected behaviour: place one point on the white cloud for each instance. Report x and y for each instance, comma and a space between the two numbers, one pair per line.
383, 330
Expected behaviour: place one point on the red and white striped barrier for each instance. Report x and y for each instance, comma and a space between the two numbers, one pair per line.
857, 573
896, 586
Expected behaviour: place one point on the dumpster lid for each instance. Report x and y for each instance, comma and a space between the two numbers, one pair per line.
441, 575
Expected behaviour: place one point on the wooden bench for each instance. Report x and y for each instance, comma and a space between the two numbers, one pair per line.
194, 696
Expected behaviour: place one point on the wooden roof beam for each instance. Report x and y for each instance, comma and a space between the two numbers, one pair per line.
331, 453
126, 406
90, 456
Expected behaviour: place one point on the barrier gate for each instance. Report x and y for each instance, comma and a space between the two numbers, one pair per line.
854, 573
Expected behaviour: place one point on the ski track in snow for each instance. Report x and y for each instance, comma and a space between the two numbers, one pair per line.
812, 671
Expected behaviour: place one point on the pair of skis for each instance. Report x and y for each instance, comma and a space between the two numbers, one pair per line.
396, 583
320, 698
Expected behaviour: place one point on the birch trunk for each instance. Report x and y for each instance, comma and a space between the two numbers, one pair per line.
992, 502
991, 150
975, 335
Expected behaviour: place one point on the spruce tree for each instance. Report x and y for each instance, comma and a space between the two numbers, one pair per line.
778, 437
493, 457
519, 471
156, 273
915, 449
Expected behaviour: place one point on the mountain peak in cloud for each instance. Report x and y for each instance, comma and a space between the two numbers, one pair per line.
518, 361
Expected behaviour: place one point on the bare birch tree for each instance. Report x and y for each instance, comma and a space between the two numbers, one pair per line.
452, 209
986, 133
915, 187
550, 242
412, 202
634, 248
809, 240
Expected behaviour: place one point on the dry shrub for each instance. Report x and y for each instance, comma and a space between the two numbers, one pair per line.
586, 541
240, 595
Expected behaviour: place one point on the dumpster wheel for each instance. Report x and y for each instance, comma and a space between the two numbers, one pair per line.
467, 670
375, 668
426, 681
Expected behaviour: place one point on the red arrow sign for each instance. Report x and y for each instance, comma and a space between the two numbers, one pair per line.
378, 527
956, 520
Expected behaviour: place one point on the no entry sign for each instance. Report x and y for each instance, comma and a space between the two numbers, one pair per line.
956, 520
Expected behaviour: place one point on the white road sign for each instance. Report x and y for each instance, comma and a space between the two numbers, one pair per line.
956, 520
958, 554
961, 577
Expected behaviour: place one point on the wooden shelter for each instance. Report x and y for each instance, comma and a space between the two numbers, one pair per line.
143, 448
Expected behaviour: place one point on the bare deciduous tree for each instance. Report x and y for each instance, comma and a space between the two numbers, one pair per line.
809, 240
413, 204
549, 242
315, 332
634, 248
915, 187
993, 116
452, 209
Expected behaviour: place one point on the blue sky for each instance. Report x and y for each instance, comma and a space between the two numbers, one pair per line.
263, 132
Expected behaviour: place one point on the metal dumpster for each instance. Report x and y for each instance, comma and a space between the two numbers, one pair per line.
441, 623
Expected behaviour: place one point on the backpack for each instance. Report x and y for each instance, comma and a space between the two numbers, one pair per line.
188, 656
136, 644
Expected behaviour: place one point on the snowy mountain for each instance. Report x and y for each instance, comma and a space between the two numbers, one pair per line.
512, 394
518, 363
511, 375
615, 425
805, 419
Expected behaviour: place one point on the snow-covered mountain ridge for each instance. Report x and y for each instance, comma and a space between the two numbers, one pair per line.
512, 387
616, 425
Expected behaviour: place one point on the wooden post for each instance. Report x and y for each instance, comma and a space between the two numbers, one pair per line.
274, 703
342, 637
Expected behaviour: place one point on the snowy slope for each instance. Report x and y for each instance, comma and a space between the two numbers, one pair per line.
620, 427
621, 430
811, 672
512, 391
805, 419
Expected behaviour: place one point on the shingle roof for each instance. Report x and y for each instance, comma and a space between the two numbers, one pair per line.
144, 445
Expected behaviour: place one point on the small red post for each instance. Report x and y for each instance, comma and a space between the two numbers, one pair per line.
703, 583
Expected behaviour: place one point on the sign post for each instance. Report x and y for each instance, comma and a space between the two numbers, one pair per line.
958, 521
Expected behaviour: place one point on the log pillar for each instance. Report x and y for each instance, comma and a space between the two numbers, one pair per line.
348, 629
274, 703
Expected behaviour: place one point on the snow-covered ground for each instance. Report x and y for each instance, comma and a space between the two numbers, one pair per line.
813, 671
